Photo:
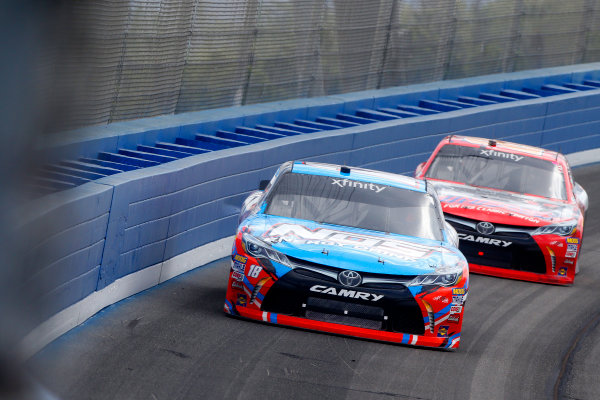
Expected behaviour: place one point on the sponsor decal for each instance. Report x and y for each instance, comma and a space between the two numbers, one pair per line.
349, 278
346, 293
459, 291
236, 284
557, 243
443, 331
491, 210
238, 266
442, 299
573, 240
569, 262
572, 247
240, 259
480, 239
293, 233
242, 300
456, 309
356, 184
571, 254
485, 228
237, 276
454, 318
458, 300
495, 153
562, 271
253, 271
513, 209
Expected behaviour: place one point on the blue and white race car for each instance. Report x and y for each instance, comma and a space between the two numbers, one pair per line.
349, 251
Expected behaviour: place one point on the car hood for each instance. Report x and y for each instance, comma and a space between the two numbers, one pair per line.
501, 207
351, 248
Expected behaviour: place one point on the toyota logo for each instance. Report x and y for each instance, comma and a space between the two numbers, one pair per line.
485, 228
349, 278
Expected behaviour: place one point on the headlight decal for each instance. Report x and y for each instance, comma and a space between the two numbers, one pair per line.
262, 250
563, 229
436, 279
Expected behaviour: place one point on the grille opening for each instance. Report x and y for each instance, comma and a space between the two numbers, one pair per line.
340, 312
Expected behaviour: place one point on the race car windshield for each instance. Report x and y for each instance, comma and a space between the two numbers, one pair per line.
498, 170
357, 204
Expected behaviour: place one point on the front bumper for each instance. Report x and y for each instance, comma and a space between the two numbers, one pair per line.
310, 298
513, 252
448, 342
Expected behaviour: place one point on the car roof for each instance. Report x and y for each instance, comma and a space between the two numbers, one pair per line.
504, 146
360, 174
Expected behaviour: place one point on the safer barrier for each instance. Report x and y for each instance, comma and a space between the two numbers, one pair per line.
129, 231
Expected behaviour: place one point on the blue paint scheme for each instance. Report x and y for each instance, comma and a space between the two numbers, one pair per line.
366, 251
346, 257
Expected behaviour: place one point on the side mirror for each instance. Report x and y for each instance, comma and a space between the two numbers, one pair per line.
419, 169
249, 205
581, 197
263, 184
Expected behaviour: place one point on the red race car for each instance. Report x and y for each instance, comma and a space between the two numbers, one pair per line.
517, 210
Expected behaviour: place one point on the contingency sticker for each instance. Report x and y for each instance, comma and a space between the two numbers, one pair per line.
456, 309
238, 267
443, 331
237, 276
242, 300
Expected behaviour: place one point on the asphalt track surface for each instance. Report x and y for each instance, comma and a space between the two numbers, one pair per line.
520, 340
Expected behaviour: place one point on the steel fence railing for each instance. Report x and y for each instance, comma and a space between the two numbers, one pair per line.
129, 59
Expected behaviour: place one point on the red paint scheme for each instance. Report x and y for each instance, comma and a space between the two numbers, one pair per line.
535, 211
446, 333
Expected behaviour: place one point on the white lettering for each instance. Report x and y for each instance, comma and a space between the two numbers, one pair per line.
510, 156
346, 293
362, 295
479, 239
293, 233
356, 184
377, 297
330, 291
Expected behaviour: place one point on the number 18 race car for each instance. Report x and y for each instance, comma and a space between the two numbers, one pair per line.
516, 208
349, 251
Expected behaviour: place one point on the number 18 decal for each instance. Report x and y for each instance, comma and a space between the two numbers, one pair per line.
254, 270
